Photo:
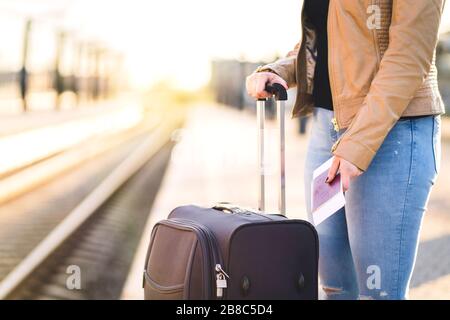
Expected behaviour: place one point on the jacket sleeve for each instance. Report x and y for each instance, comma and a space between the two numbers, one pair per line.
406, 63
285, 67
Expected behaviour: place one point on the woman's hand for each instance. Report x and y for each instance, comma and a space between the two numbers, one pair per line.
256, 83
347, 170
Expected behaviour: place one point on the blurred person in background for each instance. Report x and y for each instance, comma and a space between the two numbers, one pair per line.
366, 72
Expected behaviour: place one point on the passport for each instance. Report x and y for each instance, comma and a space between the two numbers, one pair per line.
326, 198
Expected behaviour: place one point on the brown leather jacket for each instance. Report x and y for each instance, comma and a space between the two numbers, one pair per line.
381, 66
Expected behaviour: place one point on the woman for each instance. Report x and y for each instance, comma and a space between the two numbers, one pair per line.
366, 71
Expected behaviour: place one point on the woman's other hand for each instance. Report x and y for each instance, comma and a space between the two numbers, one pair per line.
256, 83
347, 170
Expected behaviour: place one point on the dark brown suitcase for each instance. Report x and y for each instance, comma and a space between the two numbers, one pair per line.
232, 253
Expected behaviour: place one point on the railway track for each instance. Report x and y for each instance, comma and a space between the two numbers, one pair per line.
88, 220
29, 177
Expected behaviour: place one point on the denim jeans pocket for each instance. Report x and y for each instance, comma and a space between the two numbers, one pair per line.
437, 143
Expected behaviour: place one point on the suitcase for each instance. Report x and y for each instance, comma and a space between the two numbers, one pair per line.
233, 253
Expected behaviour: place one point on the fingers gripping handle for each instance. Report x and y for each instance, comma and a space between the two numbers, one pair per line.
280, 95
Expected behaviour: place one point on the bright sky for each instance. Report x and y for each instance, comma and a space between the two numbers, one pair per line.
177, 38
174, 39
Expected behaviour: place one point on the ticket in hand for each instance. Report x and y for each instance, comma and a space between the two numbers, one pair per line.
326, 198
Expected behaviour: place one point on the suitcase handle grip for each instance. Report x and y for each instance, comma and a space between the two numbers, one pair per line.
280, 95
228, 208
277, 90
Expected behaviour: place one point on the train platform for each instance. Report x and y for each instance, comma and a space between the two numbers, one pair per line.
215, 160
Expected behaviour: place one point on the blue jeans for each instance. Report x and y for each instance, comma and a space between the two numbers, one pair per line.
368, 248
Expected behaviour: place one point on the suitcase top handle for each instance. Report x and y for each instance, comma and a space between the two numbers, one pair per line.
277, 90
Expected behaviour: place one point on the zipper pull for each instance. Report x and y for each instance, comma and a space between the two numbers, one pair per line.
220, 270
335, 124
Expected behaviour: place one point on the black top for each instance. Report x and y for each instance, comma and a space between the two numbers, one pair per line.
317, 15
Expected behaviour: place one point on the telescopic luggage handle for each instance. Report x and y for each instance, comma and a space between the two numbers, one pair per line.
280, 95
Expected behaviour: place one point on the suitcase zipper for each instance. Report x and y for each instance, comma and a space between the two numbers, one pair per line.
172, 223
216, 266
221, 275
